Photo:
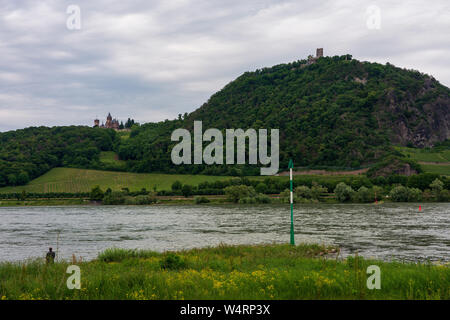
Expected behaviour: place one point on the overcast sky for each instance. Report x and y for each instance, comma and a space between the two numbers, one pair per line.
150, 60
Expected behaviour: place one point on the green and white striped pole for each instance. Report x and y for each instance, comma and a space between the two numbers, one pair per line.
291, 165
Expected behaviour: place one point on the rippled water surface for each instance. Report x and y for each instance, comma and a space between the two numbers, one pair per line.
387, 231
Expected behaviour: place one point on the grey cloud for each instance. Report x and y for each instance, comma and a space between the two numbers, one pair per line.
151, 60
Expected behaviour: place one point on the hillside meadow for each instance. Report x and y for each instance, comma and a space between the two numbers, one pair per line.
225, 272
83, 180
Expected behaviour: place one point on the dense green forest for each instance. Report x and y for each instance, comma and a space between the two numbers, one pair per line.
336, 112
28, 153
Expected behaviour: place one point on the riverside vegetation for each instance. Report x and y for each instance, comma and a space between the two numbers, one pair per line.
225, 272
422, 187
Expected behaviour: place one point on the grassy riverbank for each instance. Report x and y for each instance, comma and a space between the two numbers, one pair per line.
225, 272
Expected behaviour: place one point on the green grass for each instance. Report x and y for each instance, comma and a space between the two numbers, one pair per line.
436, 168
81, 180
425, 155
111, 158
441, 159
225, 272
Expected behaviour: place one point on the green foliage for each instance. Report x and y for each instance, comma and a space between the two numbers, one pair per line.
422, 181
177, 185
187, 190
172, 261
140, 200
28, 153
262, 272
200, 200
363, 195
303, 192
325, 115
115, 198
399, 194
343, 192
405, 194
261, 188
392, 165
437, 187
317, 190
235, 193
96, 194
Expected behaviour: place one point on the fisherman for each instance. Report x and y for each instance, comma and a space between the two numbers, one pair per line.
50, 256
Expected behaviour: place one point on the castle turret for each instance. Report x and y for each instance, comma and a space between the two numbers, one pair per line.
319, 52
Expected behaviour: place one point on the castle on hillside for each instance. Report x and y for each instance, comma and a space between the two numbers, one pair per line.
110, 123
311, 59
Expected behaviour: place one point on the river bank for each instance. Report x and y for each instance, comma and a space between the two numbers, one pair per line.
225, 272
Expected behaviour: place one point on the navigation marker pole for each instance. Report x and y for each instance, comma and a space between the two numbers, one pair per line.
291, 165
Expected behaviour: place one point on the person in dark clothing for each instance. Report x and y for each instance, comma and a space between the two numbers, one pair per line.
50, 256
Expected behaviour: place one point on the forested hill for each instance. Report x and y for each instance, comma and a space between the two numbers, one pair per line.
28, 153
337, 111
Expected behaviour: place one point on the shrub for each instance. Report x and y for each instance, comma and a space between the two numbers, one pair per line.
414, 194
115, 197
140, 200
235, 193
262, 198
96, 194
363, 195
303, 192
317, 190
200, 200
176, 186
399, 194
343, 192
436, 187
172, 262
261, 188
187, 190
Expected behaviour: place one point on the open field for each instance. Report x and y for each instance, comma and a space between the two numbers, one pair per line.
82, 180
442, 169
431, 161
111, 158
225, 272
424, 155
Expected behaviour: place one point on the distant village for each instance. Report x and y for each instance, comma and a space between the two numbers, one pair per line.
114, 124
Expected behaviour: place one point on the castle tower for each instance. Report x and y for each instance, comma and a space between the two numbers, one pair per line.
108, 120
96, 123
319, 52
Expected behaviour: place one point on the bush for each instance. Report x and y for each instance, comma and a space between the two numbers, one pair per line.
317, 190
172, 262
115, 197
343, 192
303, 192
414, 194
404, 194
436, 187
187, 190
140, 200
176, 186
363, 195
200, 200
96, 194
399, 194
235, 193
261, 188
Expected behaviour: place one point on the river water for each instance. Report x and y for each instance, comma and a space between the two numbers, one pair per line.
387, 231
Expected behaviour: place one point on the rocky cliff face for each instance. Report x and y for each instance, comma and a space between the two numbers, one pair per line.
416, 122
